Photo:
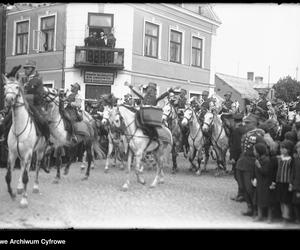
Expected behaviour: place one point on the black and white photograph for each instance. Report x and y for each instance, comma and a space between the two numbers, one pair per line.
149, 116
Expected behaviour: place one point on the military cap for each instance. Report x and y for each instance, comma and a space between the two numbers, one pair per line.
183, 91
228, 93
30, 63
205, 93
177, 90
251, 118
238, 117
76, 84
151, 85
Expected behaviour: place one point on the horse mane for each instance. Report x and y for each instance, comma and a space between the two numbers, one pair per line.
23, 96
132, 109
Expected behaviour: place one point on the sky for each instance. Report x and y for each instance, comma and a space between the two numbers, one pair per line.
256, 37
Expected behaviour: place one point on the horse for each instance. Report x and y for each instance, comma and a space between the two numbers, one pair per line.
85, 132
23, 140
139, 143
171, 120
116, 141
220, 142
195, 139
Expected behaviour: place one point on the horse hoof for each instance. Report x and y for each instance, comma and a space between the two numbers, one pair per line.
152, 185
13, 196
84, 178
24, 203
66, 172
106, 170
142, 181
161, 181
124, 188
19, 190
35, 190
198, 173
82, 166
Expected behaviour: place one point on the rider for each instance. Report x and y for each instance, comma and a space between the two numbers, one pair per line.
71, 111
261, 106
204, 104
150, 99
33, 93
128, 100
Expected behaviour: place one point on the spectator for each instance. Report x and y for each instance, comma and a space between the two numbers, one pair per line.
263, 179
283, 179
111, 41
235, 152
101, 40
296, 183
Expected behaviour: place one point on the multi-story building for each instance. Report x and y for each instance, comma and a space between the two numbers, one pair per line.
168, 44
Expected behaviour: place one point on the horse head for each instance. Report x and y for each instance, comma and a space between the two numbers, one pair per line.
12, 91
51, 101
111, 116
208, 121
187, 116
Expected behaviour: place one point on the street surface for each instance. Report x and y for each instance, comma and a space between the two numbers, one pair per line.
183, 201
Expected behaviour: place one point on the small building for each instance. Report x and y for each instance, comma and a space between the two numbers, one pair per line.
241, 88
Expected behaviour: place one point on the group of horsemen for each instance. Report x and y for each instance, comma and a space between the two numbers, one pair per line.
70, 105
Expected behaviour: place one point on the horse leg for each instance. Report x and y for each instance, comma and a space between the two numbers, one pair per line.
110, 149
191, 158
39, 158
138, 170
199, 160
25, 165
89, 157
174, 159
10, 164
129, 161
72, 158
158, 169
58, 163
20, 186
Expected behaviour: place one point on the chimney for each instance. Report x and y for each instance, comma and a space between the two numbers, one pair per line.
250, 76
259, 79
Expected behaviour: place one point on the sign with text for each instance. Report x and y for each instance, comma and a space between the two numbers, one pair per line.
99, 77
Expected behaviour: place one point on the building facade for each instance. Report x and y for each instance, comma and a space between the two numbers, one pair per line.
168, 44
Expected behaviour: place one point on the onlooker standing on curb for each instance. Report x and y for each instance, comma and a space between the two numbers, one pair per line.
296, 183
263, 179
235, 152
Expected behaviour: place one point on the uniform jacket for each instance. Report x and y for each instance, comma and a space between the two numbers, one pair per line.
73, 100
296, 174
227, 104
236, 138
33, 85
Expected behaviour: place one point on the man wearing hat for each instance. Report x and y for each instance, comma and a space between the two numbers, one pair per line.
34, 92
261, 106
72, 111
128, 100
235, 151
227, 104
246, 163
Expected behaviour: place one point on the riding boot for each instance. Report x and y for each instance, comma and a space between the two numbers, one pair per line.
73, 136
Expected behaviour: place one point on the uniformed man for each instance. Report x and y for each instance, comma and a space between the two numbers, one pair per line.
227, 104
261, 106
72, 111
227, 112
128, 100
204, 104
34, 92
246, 163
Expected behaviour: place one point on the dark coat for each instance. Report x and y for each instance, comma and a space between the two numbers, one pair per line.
236, 137
296, 180
33, 85
264, 180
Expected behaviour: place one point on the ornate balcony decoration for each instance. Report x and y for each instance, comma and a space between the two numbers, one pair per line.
99, 57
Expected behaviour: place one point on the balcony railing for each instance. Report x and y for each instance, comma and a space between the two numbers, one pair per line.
99, 57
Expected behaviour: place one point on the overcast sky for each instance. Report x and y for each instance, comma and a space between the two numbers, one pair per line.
254, 36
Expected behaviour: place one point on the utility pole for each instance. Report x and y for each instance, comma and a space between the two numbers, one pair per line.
2, 51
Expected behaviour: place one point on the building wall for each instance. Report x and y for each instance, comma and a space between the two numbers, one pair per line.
222, 87
49, 64
169, 73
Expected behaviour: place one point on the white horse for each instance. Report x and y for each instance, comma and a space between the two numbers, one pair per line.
195, 139
213, 124
139, 143
22, 141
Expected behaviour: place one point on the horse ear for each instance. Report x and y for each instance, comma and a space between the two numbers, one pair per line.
5, 79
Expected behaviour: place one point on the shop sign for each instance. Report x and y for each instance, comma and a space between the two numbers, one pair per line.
98, 77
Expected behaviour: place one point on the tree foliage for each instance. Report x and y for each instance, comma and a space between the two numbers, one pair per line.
287, 89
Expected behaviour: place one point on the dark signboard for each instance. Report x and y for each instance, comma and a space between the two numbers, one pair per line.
98, 77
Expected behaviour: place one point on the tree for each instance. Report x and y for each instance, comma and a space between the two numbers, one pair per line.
287, 89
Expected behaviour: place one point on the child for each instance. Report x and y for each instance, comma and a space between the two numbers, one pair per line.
263, 179
283, 178
296, 183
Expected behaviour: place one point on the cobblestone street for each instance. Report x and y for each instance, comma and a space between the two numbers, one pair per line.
183, 201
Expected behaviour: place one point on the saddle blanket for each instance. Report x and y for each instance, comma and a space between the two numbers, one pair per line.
82, 128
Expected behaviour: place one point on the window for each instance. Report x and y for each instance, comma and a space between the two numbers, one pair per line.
22, 38
197, 52
151, 40
98, 21
175, 46
47, 33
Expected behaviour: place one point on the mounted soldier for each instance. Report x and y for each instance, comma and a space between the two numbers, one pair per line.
261, 107
33, 92
128, 100
149, 99
72, 111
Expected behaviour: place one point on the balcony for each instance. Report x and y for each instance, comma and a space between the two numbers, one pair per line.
99, 57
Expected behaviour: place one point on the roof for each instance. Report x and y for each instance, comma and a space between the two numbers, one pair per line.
241, 85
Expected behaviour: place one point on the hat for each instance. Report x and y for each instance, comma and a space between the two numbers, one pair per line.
183, 91
289, 145
128, 96
29, 63
177, 90
261, 148
238, 117
205, 93
228, 93
76, 85
151, 85
251, 118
